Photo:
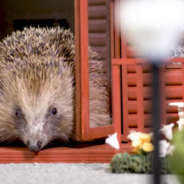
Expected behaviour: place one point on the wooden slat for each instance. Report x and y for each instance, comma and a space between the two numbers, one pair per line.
97, 39
169, 66
146, 130
133, 61
117, 43
146, 68
96, 2
84, 69
78, 77
174, 65
82, 154
97, 12
128, 62
97, 26
112, 34
133, 119
116, 98
133, 52
172, 77
82, 78
175, 92
108, 44
140, 110
132, 106
100, 132
124, 103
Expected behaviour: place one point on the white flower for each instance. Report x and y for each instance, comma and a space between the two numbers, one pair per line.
170, 150
152, 135
177, 104
133, 135
113, 141
167, 130
180, 106
163, 148
180, 124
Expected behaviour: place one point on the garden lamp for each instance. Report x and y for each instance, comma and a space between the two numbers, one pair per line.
154, 26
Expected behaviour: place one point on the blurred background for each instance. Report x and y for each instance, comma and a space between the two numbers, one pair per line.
14, 15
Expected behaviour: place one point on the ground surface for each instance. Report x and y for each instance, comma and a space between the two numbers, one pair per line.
71, 174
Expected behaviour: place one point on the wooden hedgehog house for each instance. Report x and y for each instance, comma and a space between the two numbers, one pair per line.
131, 96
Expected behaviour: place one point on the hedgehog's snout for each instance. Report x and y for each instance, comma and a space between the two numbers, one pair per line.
34, 146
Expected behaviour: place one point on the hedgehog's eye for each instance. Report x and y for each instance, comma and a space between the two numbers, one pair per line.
18, 113
54, 111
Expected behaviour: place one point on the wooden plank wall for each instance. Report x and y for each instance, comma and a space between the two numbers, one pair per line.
99, 30
172, 90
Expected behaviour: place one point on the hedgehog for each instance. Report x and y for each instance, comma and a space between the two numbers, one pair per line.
37, 88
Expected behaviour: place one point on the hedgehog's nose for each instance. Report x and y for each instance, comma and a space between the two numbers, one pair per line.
34, 146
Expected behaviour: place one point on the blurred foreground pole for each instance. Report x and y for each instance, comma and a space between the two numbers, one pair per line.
156, 117
154, 27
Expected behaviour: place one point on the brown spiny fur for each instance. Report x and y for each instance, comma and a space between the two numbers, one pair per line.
37, 74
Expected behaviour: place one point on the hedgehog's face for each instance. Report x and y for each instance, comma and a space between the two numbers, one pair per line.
36, 129
39, 106
46, 120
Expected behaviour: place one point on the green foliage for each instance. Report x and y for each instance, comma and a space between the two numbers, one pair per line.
121, 163
127, 163
177, 159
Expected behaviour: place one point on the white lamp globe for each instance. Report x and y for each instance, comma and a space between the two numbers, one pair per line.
153, 25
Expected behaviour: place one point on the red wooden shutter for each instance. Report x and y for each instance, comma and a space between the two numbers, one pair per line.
84, 132
131, 80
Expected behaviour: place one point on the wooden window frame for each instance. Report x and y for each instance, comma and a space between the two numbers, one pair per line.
84, 132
